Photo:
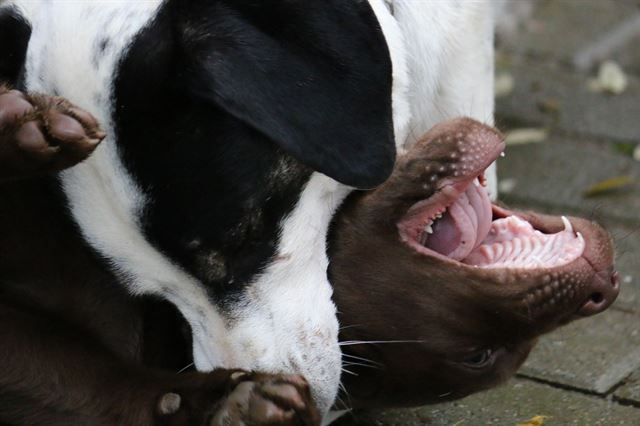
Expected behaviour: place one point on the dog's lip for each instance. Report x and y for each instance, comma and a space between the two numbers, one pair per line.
447, 192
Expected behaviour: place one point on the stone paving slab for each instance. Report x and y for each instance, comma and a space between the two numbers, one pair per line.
592, 354
516, 402
629, 58
555, 173
558, 29
547, 95
629, 392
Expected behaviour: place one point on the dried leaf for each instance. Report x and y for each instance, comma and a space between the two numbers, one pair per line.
611, 79
507, 185
534, 421
549, 106
626, 148
527, 135
503, 84
608, 185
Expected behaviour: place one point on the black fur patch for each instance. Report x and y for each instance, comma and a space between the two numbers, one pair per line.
14, 38
218, 182
209, 177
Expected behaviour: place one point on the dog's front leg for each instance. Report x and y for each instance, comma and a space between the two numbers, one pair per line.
54, 374
42, 134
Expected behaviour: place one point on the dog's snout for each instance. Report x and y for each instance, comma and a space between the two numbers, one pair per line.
603, 293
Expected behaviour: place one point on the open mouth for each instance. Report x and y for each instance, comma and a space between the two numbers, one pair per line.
460, 223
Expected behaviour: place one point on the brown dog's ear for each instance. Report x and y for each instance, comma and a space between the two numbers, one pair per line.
314, 76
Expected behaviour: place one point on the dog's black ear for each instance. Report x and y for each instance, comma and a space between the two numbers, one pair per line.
312, 75
14, 38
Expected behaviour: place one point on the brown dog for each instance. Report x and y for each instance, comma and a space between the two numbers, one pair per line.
459, 288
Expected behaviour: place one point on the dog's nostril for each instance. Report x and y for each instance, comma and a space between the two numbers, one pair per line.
597, 298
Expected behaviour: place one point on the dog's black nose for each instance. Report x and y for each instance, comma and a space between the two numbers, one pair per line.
603, 293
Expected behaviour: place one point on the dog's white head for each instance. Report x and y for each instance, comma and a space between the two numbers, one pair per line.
236, 129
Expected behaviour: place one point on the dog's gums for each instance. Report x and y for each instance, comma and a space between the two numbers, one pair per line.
460, 223
451, 289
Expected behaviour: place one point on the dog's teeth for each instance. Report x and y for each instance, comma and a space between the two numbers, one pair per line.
567, 224
502, 154
580, 237
438, 216
429, 229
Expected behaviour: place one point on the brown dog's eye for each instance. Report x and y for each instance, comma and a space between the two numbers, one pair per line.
479, 359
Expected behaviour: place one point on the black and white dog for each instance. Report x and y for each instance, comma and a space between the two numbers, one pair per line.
235, 129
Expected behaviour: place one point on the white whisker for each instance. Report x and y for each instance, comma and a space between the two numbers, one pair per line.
349, 372
362, 359
185, 367
345, 404
349, 364
344, 327
375, 342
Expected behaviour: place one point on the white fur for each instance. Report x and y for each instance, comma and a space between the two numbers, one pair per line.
442, 58
289, 321
397, 52
450, 60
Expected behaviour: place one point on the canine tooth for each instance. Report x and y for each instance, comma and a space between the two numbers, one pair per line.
502, 154
567, 224
428, 229
580, 237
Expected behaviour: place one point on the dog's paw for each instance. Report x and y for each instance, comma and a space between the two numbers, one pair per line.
43, 134
262, 399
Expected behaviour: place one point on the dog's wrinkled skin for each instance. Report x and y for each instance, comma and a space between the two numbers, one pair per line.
446, 329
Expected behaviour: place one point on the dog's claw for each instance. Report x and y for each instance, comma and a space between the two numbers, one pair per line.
169, 403
43, 134
267, 400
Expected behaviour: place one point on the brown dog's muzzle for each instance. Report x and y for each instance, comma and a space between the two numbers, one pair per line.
462, 286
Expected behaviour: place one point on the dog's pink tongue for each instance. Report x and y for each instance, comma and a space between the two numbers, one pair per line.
464, 226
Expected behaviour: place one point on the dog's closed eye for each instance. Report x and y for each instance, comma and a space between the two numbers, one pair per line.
479, 359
